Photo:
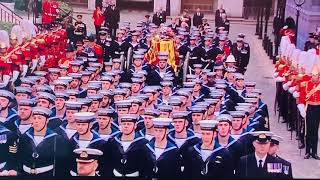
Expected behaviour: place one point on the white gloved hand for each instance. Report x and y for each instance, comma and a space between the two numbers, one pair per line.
302, 110
292, 89
42, 60
6, 79
275, 75
286, 85
34, 64
24, 70
296, 94
280, 79
15, 75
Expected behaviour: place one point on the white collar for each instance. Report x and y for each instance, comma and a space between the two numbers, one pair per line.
258, 158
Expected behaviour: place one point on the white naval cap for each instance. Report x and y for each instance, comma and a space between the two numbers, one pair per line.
84, 117
87, 154
208, 124
161, 122
41, 111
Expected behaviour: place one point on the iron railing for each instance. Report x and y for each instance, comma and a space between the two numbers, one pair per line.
7, 15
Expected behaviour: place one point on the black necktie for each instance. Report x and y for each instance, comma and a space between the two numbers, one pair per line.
260, 164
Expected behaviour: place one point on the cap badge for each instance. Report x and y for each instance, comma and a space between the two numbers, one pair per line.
84, 154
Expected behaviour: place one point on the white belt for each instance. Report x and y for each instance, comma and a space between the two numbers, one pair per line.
37, 170
2, 165
117, 174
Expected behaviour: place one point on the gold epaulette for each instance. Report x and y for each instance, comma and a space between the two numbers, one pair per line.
303, 84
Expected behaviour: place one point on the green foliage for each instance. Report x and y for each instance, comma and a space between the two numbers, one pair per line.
6, 26
21, 4
66, 9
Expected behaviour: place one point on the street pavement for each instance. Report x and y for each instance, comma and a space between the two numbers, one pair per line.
260, 69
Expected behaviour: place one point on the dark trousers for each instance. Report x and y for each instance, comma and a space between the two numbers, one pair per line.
292, 111
79, 38
278, 96
113, 32
300, 128
284, 104
98, 28
312, 122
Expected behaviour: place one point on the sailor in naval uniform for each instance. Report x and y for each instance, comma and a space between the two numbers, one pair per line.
165, 110
53, 75
165, 154
41, 150
96, 99
230, 76
8, 114
224, 139
61, 98
138, 63
85, 78
237, 89
75, 84
163, 67
237, 124
60, 85
148, 130
87, 138
166, 92
122, 108
197, 115
197, 94
274, 148
47, 100
182, 136
203, 159
136, 86
180, 100
23, 93
68, 127
106, 82
151, 92
137, 108
8, 150
249, 86
256, 121
87, 161
212, 110
130, 155
263, 107
93, 87
106, 127
24, 123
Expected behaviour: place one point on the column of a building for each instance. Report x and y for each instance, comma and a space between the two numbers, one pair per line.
234, 8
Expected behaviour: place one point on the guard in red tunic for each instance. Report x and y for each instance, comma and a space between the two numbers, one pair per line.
5, 68
15, 56
46, 11
50, 9
310, 97
290, 32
